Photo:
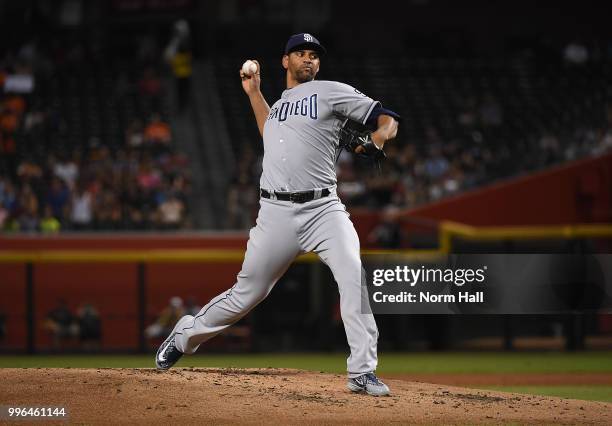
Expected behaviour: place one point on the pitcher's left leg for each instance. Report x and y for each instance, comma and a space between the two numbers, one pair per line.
333, 237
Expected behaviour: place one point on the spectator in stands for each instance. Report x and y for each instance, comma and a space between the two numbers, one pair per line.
149, 177
89, 326
15, 104
132, 162
60, 323
29, 171
58, 198
170, 212
20, 80
575, 53
81, 208
453, 181
137, 205
100, 158
549, 149
157, 131
241, 201
351, 188
178, 55
402, 164
134, 136
108, 214
27, 218
9, 119
150, 88
49, 224
179, 187
380, 189
34, 120
149, 84
388, 233
436, 165
604, 143
8, 196
67, 169
166, 319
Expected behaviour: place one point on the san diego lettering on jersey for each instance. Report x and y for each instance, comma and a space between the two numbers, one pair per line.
306, 107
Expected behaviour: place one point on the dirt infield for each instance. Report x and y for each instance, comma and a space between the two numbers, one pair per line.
222, 396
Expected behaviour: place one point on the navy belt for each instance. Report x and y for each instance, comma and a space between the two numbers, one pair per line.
296, 197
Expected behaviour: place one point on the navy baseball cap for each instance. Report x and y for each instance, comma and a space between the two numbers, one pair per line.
304, 41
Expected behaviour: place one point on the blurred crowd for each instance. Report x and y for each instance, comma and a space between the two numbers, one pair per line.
415, 174
49, 185
79, 326
66, 326
425, 171
126, 189
480, 141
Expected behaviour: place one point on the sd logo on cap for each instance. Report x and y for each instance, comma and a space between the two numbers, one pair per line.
304, 41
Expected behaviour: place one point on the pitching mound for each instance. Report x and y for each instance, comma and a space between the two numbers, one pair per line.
196, 396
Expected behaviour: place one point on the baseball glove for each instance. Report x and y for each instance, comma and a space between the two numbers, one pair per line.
354, 135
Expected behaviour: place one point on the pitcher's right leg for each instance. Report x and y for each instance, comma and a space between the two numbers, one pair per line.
271, 248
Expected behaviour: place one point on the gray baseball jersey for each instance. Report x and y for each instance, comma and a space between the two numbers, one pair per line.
301, 134
300, 143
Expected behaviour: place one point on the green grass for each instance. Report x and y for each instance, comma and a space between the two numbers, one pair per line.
586, 392
421, 362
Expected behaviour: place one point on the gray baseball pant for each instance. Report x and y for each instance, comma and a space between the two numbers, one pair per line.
282, 232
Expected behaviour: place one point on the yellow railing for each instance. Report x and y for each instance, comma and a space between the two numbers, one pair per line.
449, 230
163, 255
446, 233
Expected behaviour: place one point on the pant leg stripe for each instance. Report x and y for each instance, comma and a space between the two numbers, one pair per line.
229, 293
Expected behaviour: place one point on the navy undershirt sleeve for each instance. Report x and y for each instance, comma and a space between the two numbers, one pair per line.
378, 110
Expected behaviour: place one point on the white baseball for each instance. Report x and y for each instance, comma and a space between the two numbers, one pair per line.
249, 67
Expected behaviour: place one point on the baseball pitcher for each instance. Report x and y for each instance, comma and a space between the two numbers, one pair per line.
300, 211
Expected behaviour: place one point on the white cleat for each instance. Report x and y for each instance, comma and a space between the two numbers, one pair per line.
369, 384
